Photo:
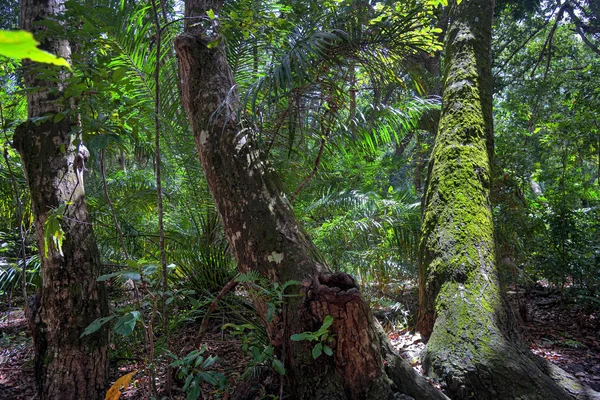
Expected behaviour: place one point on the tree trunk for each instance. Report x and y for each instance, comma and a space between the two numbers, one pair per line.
66, 366
265, 236
474, 347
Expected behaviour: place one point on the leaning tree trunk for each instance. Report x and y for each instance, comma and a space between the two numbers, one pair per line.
69, 299
265, 236
473, 346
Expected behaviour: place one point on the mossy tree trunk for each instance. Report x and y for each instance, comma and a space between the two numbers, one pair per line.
69, 299
473, 345
265, 236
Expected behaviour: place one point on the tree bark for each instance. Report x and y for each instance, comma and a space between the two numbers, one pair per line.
69, 299
473, 346
265, 236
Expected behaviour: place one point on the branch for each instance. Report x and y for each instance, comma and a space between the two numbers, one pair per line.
548, 42
579, 29
229, 286
313, 172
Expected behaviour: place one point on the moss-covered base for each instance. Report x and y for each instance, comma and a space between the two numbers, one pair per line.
513, 373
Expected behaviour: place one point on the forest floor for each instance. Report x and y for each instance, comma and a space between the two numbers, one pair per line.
565, 333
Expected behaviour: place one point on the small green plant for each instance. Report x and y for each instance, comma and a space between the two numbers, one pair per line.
254, 345
573, 343
274, 294
195, 368
322, 336
253, 337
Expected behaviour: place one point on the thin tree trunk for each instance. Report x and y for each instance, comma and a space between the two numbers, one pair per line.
265, 236
473, 347
66, 365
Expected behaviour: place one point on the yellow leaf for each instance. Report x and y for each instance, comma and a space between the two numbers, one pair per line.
115, 390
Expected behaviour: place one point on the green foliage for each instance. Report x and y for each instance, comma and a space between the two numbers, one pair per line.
53, 233
547, 145
21, 45
11, 264
374, 236
195, 369
254, 345
322, 336
96, 325
272, 293
126, 324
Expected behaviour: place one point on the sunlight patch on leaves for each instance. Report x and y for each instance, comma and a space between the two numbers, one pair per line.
21, 45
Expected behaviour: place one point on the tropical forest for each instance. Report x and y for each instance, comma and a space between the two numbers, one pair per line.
300, 199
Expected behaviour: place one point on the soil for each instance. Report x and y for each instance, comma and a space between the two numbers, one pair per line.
567, 333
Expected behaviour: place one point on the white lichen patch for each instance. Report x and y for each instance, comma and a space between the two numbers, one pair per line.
275, 257
203, 137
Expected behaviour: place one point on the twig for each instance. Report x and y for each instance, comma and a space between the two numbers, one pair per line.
548, 43
229, 286
110, 204
312, 173
578, 28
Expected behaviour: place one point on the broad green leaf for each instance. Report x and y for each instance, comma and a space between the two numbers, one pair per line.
21, 45
134, 276
126, 323
317, 350
209, 362
278, 366
53, 233
194, 392
95, 325
302, 336
327, 350
210, 14
326, 324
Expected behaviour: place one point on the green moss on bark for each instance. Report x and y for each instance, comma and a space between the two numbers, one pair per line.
473, 348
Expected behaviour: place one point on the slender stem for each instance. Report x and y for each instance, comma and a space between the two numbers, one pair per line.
161, 228
324, 134
19, 210
229, 286
111, 206
137, 295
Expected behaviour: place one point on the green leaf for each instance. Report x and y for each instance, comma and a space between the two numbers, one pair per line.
194, 392
317, 350
327, 350
95, 325
270, 313
119, 74
21, 45
209, 362
302, 336
126, 323
59, 117
188, 381
134, 276
326, 324
53, 233
278, 367
214, 43
210, 14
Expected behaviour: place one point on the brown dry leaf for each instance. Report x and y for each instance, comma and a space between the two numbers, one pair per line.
115, 390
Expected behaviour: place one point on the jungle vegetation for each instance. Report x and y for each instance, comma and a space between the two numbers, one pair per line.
298, 164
